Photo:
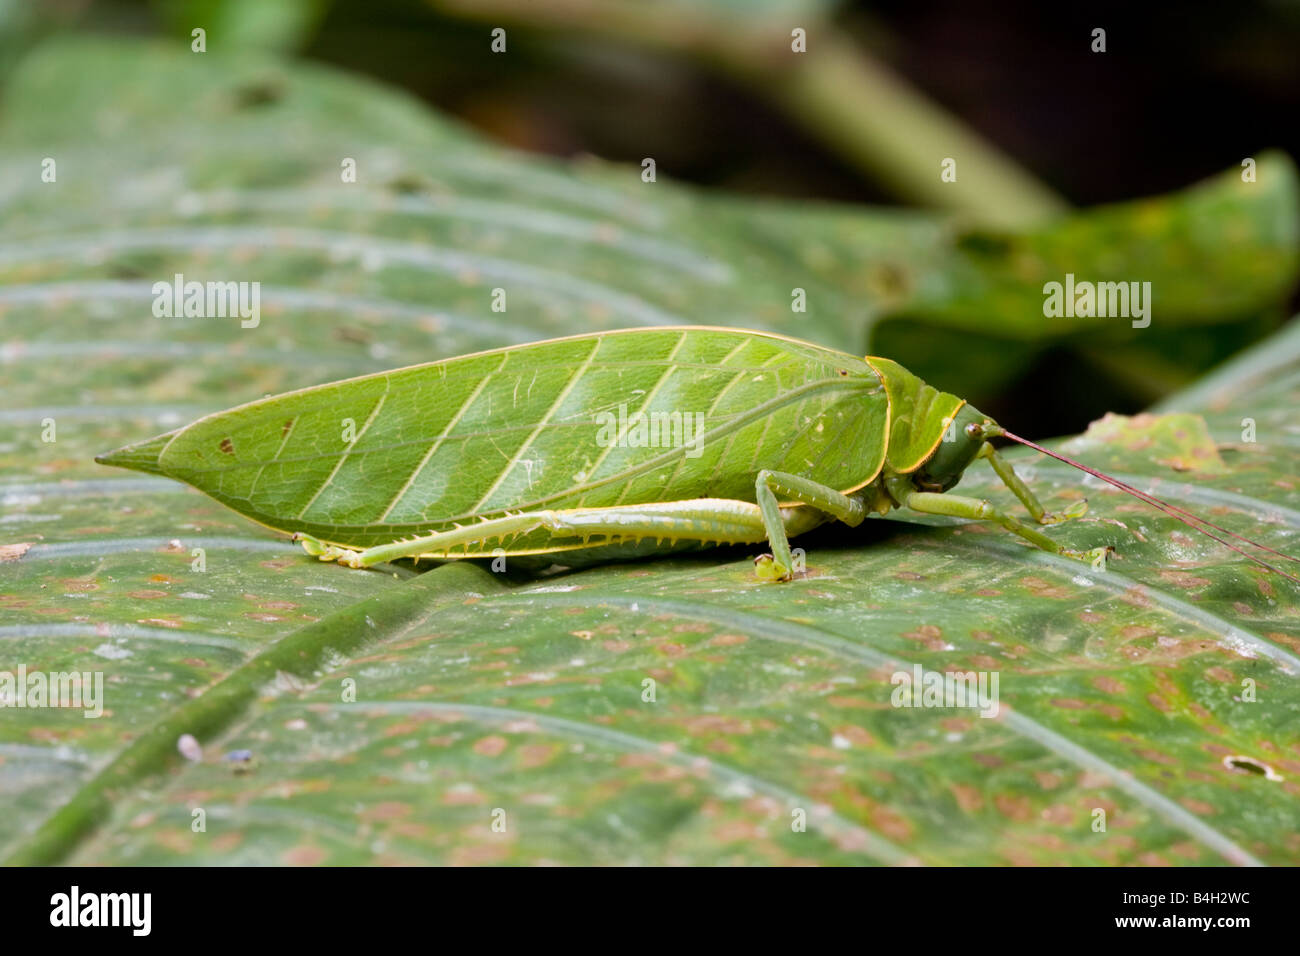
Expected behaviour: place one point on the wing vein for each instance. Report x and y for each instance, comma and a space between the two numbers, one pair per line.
541, 425
346, 452
437, 442
650, 397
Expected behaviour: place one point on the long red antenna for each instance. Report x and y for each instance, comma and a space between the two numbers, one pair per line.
1146, 496
1186, 517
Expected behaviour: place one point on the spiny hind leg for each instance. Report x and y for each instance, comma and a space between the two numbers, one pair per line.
1025, 494
719, 520
778, 566
439, 542
977, 509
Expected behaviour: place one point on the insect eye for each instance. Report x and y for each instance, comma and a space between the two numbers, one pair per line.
974, 430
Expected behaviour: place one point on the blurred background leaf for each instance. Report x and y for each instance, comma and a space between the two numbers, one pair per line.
275, 25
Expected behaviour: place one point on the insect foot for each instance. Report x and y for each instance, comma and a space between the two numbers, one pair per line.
1076, 510
1097, 557
325, 552
309, 544
351, 559
766, 569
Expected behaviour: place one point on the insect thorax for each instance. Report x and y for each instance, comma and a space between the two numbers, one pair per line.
954, 454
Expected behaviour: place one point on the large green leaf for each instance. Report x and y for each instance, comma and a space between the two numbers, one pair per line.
1121, 690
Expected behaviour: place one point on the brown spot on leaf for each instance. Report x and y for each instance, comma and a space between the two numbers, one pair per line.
1287, 639
536, 755
967, 797
1155, 756
1069, 703
227, 446
728, 640
492, 746
717, 723
1014, 807
1182, 579
1047, 779
304, 856
479, 855
13, 552
1058, 815
1043, 588
388, 810
929, 635
1136, 596
734, 831
227, 842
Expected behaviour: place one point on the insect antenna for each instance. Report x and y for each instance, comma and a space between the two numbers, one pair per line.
1186, 517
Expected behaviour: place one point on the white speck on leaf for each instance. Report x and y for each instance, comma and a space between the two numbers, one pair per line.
189, 748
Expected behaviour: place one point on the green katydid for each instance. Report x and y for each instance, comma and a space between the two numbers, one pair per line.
512, 452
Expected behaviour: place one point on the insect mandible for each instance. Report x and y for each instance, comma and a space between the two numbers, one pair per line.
606, 445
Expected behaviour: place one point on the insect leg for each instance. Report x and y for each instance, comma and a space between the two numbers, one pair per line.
431, 543
723, 520
778, 565
1023, 492
960, 506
